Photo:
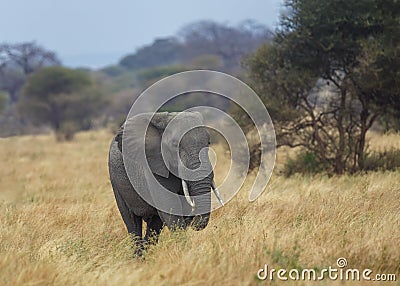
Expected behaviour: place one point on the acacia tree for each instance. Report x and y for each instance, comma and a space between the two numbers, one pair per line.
335, 65
17, 61
62, 98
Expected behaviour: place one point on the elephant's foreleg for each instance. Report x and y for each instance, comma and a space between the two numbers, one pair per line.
154, 227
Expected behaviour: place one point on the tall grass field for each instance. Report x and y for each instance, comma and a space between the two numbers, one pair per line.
60, 224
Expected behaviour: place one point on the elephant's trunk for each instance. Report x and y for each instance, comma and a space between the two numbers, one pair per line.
198, 190
202, 210
200, 194
200, 221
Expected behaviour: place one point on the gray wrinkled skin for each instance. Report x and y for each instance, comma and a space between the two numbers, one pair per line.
132, 207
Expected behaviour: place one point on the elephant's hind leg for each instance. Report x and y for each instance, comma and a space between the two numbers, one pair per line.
133, 223
154, 227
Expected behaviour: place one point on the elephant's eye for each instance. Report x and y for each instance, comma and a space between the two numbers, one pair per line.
209, 142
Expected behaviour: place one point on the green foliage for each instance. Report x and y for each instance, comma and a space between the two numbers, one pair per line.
56, 80
355, 44
303, 163
17, 61
148, 76
337, 67
63, 98
123, 81
67, 131
307, 163
386, 160
390, 122
272, 86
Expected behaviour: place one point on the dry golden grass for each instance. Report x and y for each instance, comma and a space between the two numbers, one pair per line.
381, 142
60, 224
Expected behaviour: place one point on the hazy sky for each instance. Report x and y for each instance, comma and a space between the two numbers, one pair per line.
95, 33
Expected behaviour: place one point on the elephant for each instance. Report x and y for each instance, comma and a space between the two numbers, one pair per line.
162, 149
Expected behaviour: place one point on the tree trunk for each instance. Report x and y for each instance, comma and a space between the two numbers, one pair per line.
365, 126
339, 163
362, 138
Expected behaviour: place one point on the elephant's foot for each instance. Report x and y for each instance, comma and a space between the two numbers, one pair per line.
140, 246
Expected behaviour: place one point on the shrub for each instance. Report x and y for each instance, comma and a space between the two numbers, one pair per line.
383, 160
304, 162
67, 131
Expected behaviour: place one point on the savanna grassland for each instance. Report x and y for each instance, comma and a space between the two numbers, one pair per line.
60, 224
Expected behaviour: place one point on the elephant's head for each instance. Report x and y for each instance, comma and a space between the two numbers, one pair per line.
176, 149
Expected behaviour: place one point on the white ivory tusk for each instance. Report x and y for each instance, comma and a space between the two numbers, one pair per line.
187, 196
214, 188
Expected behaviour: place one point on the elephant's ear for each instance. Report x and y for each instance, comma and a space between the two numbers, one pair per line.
134, 128
153, 152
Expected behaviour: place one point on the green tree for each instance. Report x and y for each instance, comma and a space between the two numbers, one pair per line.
146, 77
336, 65
66, 99
18, 61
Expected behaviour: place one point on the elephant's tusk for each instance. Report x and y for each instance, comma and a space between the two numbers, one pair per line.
187, 196
214, 188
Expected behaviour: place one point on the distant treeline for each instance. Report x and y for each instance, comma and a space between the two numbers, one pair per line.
203, 44
37, 94
328, 75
